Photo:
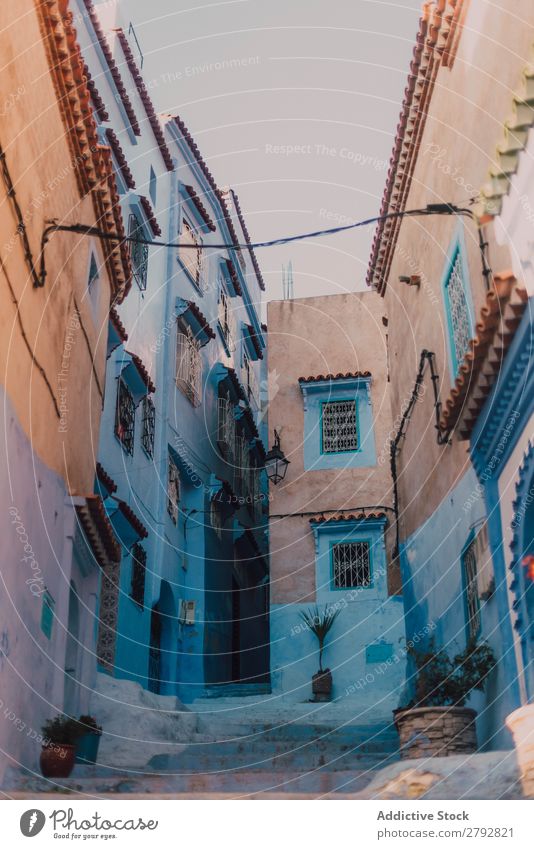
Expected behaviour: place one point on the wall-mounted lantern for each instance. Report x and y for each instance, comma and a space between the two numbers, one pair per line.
276, 462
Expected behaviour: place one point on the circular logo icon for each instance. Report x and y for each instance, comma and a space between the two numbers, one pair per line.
32, 822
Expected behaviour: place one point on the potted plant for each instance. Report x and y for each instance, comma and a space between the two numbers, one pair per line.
60, 736
436, 722
320, 623
88, 741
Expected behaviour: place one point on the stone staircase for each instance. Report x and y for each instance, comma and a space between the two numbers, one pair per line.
245, 746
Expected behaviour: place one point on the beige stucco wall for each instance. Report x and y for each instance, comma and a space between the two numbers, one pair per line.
465, 123
34, 341
312, 336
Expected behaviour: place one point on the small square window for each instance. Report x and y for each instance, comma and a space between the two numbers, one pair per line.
339, 427
137, 591
351, 564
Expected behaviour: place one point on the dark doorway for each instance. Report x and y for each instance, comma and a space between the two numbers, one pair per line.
236, 631
154, 654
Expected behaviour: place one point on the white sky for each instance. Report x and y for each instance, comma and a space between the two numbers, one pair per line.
324, 77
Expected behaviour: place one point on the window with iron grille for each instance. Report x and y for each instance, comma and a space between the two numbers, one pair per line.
458, 311
137, 590
149, 426
188, 365
339, 427
173, 491
472, 602
138, 251
351, 564
225, 427
191, 257
249, 380
125, 417
226, 320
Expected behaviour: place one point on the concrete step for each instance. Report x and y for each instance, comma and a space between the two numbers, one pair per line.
240, 783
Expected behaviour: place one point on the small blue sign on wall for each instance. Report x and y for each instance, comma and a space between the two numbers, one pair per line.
47, 614
378, 653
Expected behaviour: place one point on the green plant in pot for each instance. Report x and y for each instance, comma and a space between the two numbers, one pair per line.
60, 736
436, 722
320, 624
89, 740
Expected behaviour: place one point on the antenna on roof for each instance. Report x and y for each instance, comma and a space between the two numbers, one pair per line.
287, 282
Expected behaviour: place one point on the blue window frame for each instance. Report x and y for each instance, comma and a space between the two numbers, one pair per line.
458, 304
338, 423
350, 558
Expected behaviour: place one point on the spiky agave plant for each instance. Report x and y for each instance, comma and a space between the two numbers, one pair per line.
319, 623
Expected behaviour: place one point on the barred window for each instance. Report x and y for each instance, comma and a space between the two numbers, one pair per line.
188, 365
138, 251
226, 320
249, 380
340, 427
472, 602
125, 417
137, 590
352, 564
173, 491
225, 427
149, 426
458, 311
191, 257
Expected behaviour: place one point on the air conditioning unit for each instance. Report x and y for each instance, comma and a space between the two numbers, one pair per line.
484, 561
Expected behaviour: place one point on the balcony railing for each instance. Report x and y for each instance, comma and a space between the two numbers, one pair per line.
189, 368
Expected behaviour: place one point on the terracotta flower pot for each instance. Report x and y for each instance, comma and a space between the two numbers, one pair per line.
322, 686
521, 724
436, 731
57, 760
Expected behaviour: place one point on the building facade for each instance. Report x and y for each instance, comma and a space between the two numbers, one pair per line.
181, 449
332, 521
55, 300
460, 318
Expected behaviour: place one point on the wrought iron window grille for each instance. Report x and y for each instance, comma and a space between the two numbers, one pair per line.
351, 564
339, 427
125, 417
137, 591
148, 431
138, 251
458, 309
189, 365
173, 491
472, 601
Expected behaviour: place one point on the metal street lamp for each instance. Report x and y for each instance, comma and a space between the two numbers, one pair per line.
276, 462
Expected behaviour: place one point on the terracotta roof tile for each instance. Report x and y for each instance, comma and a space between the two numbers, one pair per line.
248, 241
147, 102
201, 318
115, 73
117, 324
106, 479
132, 518
234, 277
98, 530
98, 103
499, 318
149, 212
339, 376
120, 156
91, 161
431, 41
255, 341
347, 517
203, 212
143, 373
